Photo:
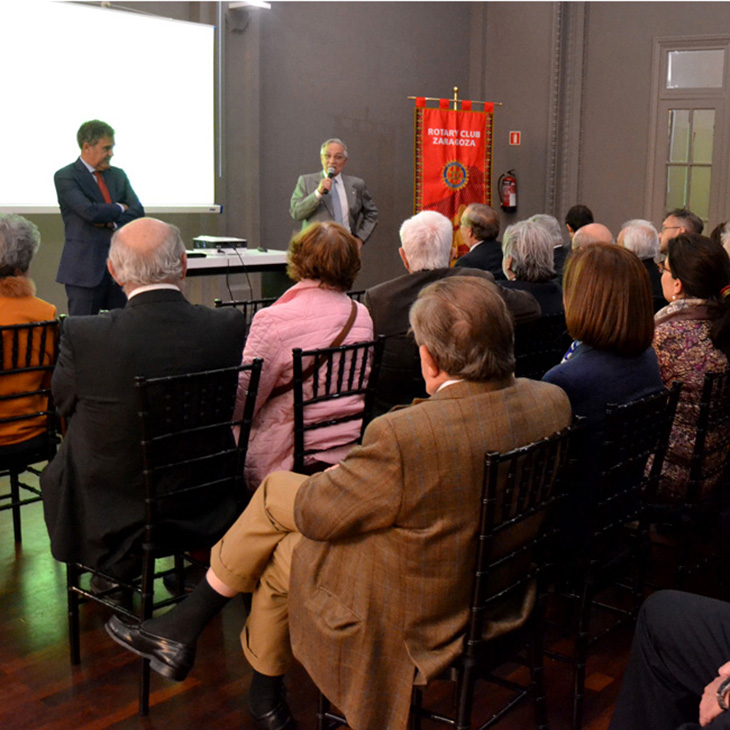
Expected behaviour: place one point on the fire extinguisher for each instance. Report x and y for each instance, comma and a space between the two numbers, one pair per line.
507, 185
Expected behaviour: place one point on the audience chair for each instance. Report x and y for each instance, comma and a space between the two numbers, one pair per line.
358, 296
540, 345
332, 374
27, 357
249, 307
695, 529
190, 456
605, 526
520, 493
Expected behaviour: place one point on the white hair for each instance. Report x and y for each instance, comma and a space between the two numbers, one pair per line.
162, 263
19, 240
641, 237
551, 225
725, 238
427, 238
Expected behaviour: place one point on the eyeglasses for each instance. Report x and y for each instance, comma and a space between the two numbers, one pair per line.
669, 228
661, 265
337, 158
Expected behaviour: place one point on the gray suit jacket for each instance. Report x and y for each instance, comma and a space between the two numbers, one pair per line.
92, 489
306, 207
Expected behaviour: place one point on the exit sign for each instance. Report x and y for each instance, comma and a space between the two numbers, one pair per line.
515, 138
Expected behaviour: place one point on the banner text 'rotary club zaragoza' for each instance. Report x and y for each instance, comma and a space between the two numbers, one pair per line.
455, 137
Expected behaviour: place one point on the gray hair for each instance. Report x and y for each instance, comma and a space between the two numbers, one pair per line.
551, 225
427, 238
641, 237
332, 140
161, 263
19, 240
92, 132
531, 248
464, 323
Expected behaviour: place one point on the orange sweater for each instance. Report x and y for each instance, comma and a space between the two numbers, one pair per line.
18, 305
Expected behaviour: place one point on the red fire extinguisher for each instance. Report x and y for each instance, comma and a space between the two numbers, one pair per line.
507, 186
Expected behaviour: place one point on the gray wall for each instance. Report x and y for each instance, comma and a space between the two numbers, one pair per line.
574, 78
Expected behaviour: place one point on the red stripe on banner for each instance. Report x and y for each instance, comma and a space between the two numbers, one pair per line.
421, 102
466, 106
443, 103
489, 107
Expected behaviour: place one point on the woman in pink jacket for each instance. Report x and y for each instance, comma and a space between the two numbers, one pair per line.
324, 260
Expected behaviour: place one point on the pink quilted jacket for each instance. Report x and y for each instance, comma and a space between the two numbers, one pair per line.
309, 317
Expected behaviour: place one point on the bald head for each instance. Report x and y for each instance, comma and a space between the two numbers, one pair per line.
592, 233
147, 251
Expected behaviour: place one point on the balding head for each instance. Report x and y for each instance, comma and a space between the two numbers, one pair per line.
592, 233
481, 220
147, 251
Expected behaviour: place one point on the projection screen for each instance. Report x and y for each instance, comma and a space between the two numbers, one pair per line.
150, 78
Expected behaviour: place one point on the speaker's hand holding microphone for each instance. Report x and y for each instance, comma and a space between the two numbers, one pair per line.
325, 184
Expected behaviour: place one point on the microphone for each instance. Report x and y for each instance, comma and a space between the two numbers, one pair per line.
330, 174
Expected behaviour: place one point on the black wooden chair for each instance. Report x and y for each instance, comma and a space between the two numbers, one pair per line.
249, 307
694, 529
605, 527
521, 491
540, 345
27, 357
189, 458
332, 374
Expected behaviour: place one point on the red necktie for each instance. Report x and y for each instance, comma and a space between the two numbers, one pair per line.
102, 186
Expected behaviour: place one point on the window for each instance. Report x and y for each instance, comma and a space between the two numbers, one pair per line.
689, 161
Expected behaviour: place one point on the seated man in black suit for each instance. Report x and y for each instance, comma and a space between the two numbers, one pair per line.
92, 490
479, 230
678, 676
426, 251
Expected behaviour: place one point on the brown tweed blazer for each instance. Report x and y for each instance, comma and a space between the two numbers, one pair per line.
380, 583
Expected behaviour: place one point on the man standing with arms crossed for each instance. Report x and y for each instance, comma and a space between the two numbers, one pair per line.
95, 199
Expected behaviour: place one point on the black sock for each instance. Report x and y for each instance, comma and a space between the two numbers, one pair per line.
188, 619
264, 694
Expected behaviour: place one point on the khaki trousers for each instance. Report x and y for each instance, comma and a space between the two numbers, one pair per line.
254, 556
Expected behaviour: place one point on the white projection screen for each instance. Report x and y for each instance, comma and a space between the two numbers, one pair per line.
150, 78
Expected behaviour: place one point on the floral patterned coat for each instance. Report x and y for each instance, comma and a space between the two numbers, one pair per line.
685, 352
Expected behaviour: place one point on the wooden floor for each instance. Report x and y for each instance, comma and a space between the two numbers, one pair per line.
40, 690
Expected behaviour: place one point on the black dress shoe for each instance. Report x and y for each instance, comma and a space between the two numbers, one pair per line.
280, 718
171, 659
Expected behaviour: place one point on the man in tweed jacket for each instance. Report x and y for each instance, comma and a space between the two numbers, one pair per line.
381, 546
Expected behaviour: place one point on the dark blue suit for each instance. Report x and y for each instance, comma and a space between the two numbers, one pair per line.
89, 223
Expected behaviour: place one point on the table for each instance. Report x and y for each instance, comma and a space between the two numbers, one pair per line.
235, 261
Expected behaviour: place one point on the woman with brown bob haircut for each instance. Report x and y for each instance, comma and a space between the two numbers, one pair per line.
324, 260
609, 314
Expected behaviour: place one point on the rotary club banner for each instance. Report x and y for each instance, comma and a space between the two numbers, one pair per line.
453, 159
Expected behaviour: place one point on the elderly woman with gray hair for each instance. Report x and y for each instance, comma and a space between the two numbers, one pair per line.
527, 250
19, 240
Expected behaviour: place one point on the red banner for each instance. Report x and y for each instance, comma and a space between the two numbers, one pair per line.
453, 160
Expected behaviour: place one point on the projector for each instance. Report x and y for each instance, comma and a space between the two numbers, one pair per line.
216, 242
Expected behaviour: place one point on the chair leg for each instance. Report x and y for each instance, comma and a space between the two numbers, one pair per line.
322, 709
537, 669
148, 580
144, 687
74, 633
416, 703
465, 695
15, 502
580, 659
